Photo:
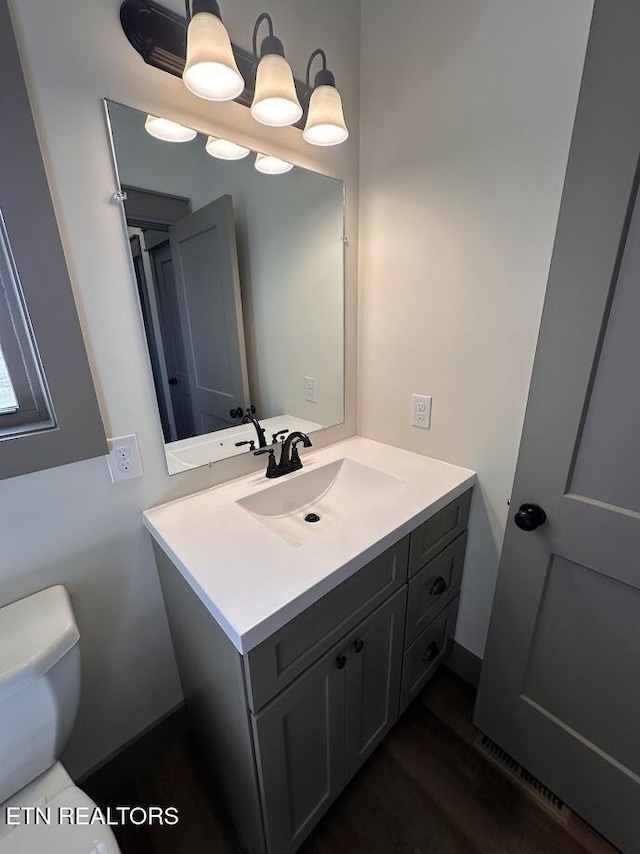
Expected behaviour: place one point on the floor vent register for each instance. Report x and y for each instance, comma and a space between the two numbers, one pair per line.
506, 763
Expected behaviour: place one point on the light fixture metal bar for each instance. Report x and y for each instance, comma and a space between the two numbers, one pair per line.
160, 37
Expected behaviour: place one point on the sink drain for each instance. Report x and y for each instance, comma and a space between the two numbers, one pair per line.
312, 517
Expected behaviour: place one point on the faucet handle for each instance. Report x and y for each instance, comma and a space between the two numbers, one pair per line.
250, 442
272, 468
274, 437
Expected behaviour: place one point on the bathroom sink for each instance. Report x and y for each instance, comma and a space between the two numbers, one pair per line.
313, 502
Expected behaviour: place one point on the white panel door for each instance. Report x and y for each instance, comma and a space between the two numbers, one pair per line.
205, 262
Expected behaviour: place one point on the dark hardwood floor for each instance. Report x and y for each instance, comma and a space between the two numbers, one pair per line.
426, 790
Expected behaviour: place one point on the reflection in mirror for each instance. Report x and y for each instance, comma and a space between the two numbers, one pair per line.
240, 276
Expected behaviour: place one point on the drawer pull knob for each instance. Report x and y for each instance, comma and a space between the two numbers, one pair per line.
439, 586
341, 660
431, 652
358, 645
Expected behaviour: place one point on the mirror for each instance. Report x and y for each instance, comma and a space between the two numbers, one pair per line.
240, 277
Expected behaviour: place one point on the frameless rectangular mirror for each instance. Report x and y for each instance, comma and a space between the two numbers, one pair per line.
240, 276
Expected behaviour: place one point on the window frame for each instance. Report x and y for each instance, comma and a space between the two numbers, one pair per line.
44, 289
34, 410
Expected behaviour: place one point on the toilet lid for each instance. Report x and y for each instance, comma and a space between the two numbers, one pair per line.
57, 838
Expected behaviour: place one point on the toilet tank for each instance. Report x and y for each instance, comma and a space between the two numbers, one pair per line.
39, 685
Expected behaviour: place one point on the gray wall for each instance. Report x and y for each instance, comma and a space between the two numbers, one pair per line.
466, 116
71, 524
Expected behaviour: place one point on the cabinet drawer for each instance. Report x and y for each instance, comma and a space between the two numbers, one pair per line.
423, 657
434, 587
436, 533
277, 661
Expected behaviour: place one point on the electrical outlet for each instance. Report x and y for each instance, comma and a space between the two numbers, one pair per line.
124, 458
310, 389
421, 411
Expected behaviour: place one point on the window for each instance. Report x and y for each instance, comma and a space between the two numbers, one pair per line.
24, 400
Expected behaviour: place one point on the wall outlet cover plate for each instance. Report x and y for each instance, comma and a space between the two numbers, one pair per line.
421, 411
124, 458
310, 389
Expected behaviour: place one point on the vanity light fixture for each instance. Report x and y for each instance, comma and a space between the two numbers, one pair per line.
224, 149
275, 101
215, 69
168, 131
325, 117
268, 164
210, 71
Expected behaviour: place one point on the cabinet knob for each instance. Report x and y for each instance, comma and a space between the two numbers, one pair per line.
341, 660
431, 652
438, 587
358, 645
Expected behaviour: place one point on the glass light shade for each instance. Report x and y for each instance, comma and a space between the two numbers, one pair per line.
325, 119
224, 149
275, 102
167, 130
211, 71
270, 165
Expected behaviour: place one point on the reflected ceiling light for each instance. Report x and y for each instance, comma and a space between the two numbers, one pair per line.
270, 165
167, 130
211, 71
275, 101
325, 118
224, 149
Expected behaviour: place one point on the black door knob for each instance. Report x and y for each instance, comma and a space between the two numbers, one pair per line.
341, 660
529, 517
173, 381
358, 645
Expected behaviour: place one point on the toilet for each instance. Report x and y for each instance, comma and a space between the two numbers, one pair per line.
39, 693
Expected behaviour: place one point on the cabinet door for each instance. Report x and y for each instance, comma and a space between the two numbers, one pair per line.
374, 650
300, 751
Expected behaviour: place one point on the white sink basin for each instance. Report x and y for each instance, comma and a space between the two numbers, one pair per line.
334, 493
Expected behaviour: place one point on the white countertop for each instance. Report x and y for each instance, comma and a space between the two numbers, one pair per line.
251, 580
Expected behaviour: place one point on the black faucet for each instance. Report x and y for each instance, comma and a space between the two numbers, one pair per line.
250, 418
289, 456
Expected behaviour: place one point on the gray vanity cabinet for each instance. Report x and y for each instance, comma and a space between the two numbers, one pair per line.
287, 725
